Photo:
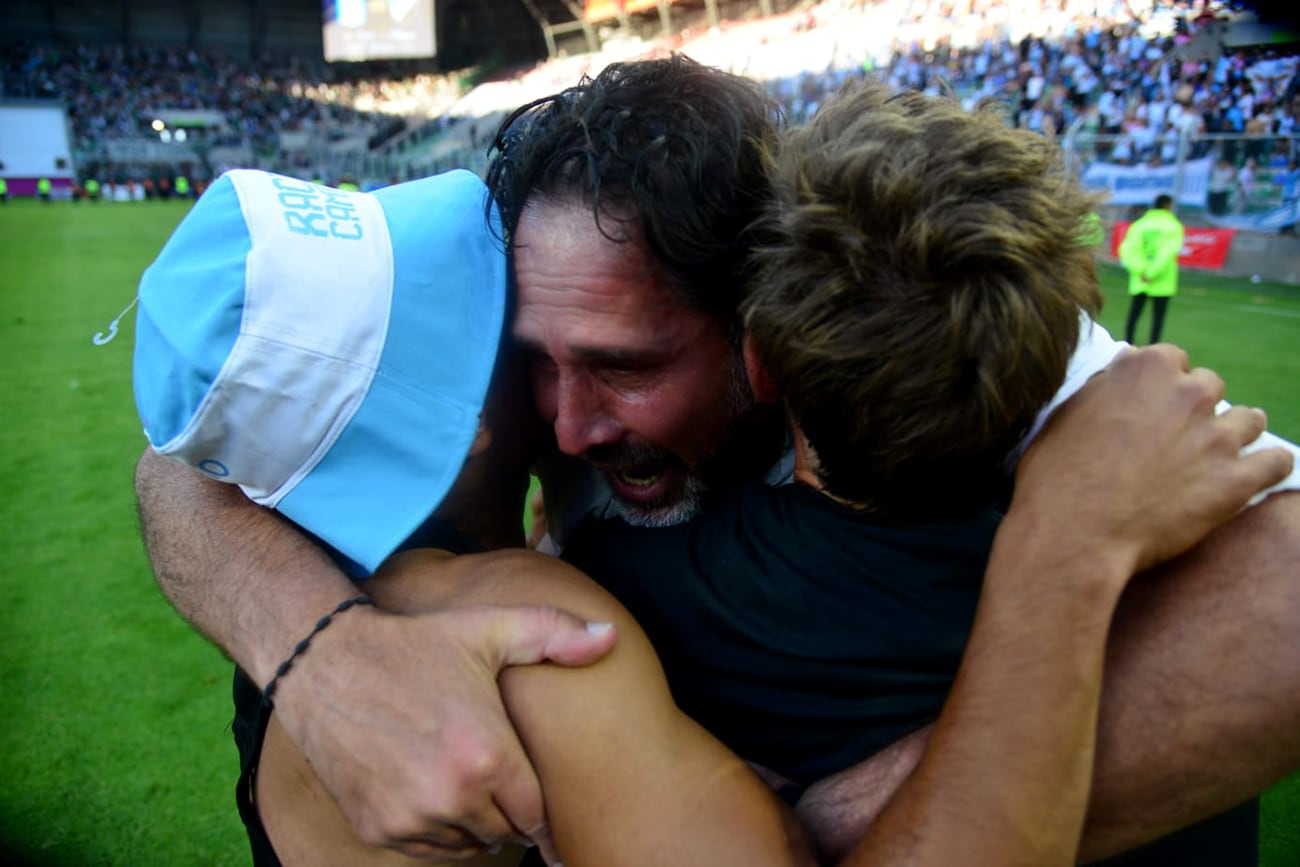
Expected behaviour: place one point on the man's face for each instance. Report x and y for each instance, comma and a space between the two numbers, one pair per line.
633, 382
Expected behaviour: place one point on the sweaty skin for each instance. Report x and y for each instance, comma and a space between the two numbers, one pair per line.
636, 383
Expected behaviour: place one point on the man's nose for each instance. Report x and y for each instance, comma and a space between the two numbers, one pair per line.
581, 419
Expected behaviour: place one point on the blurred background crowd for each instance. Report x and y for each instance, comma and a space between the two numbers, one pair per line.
1127, 83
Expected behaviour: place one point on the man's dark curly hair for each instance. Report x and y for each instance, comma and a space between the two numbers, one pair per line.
668, 151
920, 294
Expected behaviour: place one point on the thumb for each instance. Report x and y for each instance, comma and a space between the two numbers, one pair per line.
526, 635
546, 847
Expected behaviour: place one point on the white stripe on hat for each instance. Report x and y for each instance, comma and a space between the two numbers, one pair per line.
317, 299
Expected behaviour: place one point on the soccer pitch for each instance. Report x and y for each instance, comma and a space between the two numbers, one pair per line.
117, 748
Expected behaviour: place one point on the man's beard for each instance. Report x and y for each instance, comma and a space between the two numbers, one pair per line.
748, 445
682, 509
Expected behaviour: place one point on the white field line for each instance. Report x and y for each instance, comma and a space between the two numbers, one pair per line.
1197, 295
1272, 311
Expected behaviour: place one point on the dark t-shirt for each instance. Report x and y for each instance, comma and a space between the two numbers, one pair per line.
807, 636
801, 635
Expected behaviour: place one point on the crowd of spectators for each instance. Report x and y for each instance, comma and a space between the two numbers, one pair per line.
117, 92
1114, 81
1121, 80
1092, 67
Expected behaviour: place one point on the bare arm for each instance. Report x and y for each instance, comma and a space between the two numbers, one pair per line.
629, 779
442, 764
1201, 641
838, 810
243, 576
1004, 780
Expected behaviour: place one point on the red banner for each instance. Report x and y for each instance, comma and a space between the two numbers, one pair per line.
1202, 247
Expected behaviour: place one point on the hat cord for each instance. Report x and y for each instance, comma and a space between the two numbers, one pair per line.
100, 337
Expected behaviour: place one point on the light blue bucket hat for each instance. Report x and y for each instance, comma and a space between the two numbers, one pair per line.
327, 351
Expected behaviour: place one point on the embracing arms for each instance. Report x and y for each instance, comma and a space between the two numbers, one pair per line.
403, 764
1005, 777
387, 785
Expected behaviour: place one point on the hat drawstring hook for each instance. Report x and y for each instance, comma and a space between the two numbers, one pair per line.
100, 337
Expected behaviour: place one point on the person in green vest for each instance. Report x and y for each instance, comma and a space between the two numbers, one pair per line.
43, 189
182, 187
1150, 253
4, 191
92, 189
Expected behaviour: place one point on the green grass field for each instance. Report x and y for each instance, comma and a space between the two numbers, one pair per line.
117, 749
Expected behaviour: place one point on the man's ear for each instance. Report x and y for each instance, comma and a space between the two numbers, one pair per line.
765, 390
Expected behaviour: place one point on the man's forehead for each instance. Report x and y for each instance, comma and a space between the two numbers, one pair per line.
641, 344
582, 293
583, 271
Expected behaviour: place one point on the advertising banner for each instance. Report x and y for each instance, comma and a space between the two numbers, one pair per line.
1202, 248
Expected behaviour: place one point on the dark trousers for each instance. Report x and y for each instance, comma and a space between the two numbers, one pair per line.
1160, 303
249, 729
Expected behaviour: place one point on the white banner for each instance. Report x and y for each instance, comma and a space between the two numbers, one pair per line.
1139, 185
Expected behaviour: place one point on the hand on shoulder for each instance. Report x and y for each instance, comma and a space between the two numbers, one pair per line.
433, 771
1137, 467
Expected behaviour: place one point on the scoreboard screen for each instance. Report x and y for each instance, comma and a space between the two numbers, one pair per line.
377, 29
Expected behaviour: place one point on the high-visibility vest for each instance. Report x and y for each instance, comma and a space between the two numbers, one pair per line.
1151, 249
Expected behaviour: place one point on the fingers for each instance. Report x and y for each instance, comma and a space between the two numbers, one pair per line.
511, 808
424, 849
1175, 354
526, 635
1138, 456
1257, 470
1245, 423
518, 800
1150, 367
522, 803
1267, 467
468, 815
1165, 369
546, 846
507, 805
1209, 386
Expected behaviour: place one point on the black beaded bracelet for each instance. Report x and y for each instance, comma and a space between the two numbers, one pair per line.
302, 645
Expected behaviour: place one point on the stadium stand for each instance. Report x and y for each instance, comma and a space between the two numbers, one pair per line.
1124, 82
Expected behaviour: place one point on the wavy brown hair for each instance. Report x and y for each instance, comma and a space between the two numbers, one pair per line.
673, 146
918, 295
